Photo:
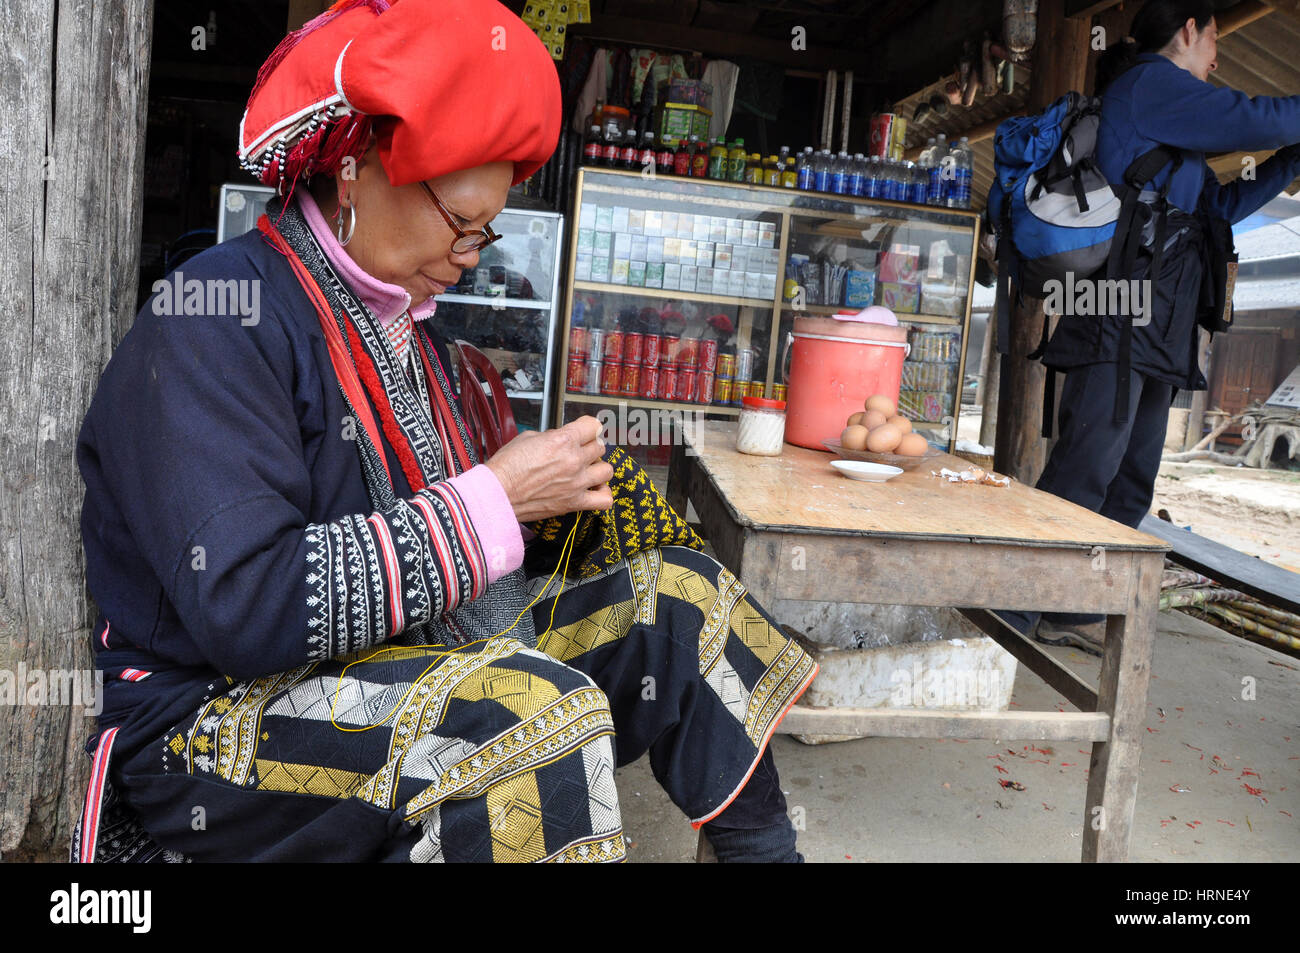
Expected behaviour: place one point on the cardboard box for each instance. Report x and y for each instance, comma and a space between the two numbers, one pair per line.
604, 244
636, 274
604, 218
636, 221
639, 247
654, 221
587, 215
586, 240
600, 269
654, 274
704, 254
900, 297
622, 245
618, 275
901, 264
620, 218
859, 289
582, 267
672, 276
654, 250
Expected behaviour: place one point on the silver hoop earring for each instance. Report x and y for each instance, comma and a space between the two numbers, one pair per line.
352, 225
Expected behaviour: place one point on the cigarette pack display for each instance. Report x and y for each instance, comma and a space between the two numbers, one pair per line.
654, 221
736, 283
704, 280
604, 218
587, 215
701, 230
654, 250
654, 274
717, 229
604, 243
636, 273
600, 269
689, 277
636, 221
704, 254
669, 223
639, 245
685, 225
582, 267
749, 234
619, 273
735, 231
586, 239
672, 276
620, 218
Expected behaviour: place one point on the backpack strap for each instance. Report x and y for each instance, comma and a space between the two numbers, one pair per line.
1127, 243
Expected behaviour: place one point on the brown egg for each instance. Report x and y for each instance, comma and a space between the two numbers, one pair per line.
872, 419
902, 423
856, 419
884, 439
854, 438
881, 403
912, 445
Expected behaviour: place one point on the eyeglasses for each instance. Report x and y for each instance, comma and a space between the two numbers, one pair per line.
465, 241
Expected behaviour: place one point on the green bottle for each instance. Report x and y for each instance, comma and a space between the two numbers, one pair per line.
736, 161
719, 166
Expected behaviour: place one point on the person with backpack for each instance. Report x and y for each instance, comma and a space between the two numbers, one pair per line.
1155, 93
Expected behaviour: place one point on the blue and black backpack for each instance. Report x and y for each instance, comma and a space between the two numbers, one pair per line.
1055, 214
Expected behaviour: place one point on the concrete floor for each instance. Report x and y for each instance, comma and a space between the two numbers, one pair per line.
889, 799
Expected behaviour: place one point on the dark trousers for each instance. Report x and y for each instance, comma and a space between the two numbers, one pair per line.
1107, 467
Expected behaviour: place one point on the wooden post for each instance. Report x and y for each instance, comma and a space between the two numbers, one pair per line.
1060, 65
72, 127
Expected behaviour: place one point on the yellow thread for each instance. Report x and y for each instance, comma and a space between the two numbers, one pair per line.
563, 561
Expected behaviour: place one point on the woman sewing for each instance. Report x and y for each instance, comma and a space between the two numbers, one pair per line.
316, 621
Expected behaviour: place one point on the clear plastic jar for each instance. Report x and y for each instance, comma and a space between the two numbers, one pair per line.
762, 427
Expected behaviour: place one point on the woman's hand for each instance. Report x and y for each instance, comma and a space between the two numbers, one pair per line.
555, 472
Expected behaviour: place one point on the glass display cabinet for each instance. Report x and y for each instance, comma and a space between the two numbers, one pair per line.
507, 308
683, 292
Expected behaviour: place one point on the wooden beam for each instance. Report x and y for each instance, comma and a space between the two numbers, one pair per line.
1087, 9
923, 723
977, 133
1287, 8
1061, 64
1238, 16
819, 54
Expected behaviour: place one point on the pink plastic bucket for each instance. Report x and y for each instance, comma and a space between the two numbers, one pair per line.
834, 366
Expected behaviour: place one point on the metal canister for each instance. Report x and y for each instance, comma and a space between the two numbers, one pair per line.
726, 366
633, 346
631, 381
744, 364
577, 380
758, 389
579, 342
780, 392
704, 387
596, 343
708, 351
614, 346
685, 389
650, 381
667, 381
650, 349
688, 354
595, 368
611, 377
722, 390
881, 139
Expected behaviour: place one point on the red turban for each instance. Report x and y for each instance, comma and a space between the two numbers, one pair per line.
444, 85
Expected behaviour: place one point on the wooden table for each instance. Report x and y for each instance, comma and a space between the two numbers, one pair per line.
790, 527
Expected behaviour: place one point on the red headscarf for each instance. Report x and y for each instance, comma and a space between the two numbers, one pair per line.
443, 84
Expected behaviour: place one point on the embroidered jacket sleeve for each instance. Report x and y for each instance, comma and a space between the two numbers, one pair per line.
215, 440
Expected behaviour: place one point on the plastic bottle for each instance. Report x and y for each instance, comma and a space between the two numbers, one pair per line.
628, 151
857, 176
804, 171
646, 156
736, 160
717, 160
936, 194
612, 139
924, 163
871, 178
754, 171
593, 147
840, 173
789, 172
918, 183
664, 157
822, 171
699, 159
682, 159
963, 174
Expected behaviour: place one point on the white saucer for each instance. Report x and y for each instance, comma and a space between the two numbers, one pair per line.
868, 472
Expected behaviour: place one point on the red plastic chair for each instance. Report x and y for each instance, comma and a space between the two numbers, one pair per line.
491, 423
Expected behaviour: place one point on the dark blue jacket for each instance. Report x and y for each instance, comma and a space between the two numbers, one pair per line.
1158, 103
208, 447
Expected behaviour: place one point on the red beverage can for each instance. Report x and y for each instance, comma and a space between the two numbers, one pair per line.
650, 350
595, 367
577, 375
611, 377
685, 389
614, 346
650, 381
708, 351
669, 346
667, 381
722, 390
726, 365
578, 343
631, 381
882, 134
633, 345
688, 354
704, 387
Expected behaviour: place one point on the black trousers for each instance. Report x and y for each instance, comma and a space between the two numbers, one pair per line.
1107, 467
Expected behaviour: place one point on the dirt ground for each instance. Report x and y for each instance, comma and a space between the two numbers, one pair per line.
1256, 512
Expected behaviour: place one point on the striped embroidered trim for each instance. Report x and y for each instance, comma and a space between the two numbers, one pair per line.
399, 335
95, 796
104, 636
134, 675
